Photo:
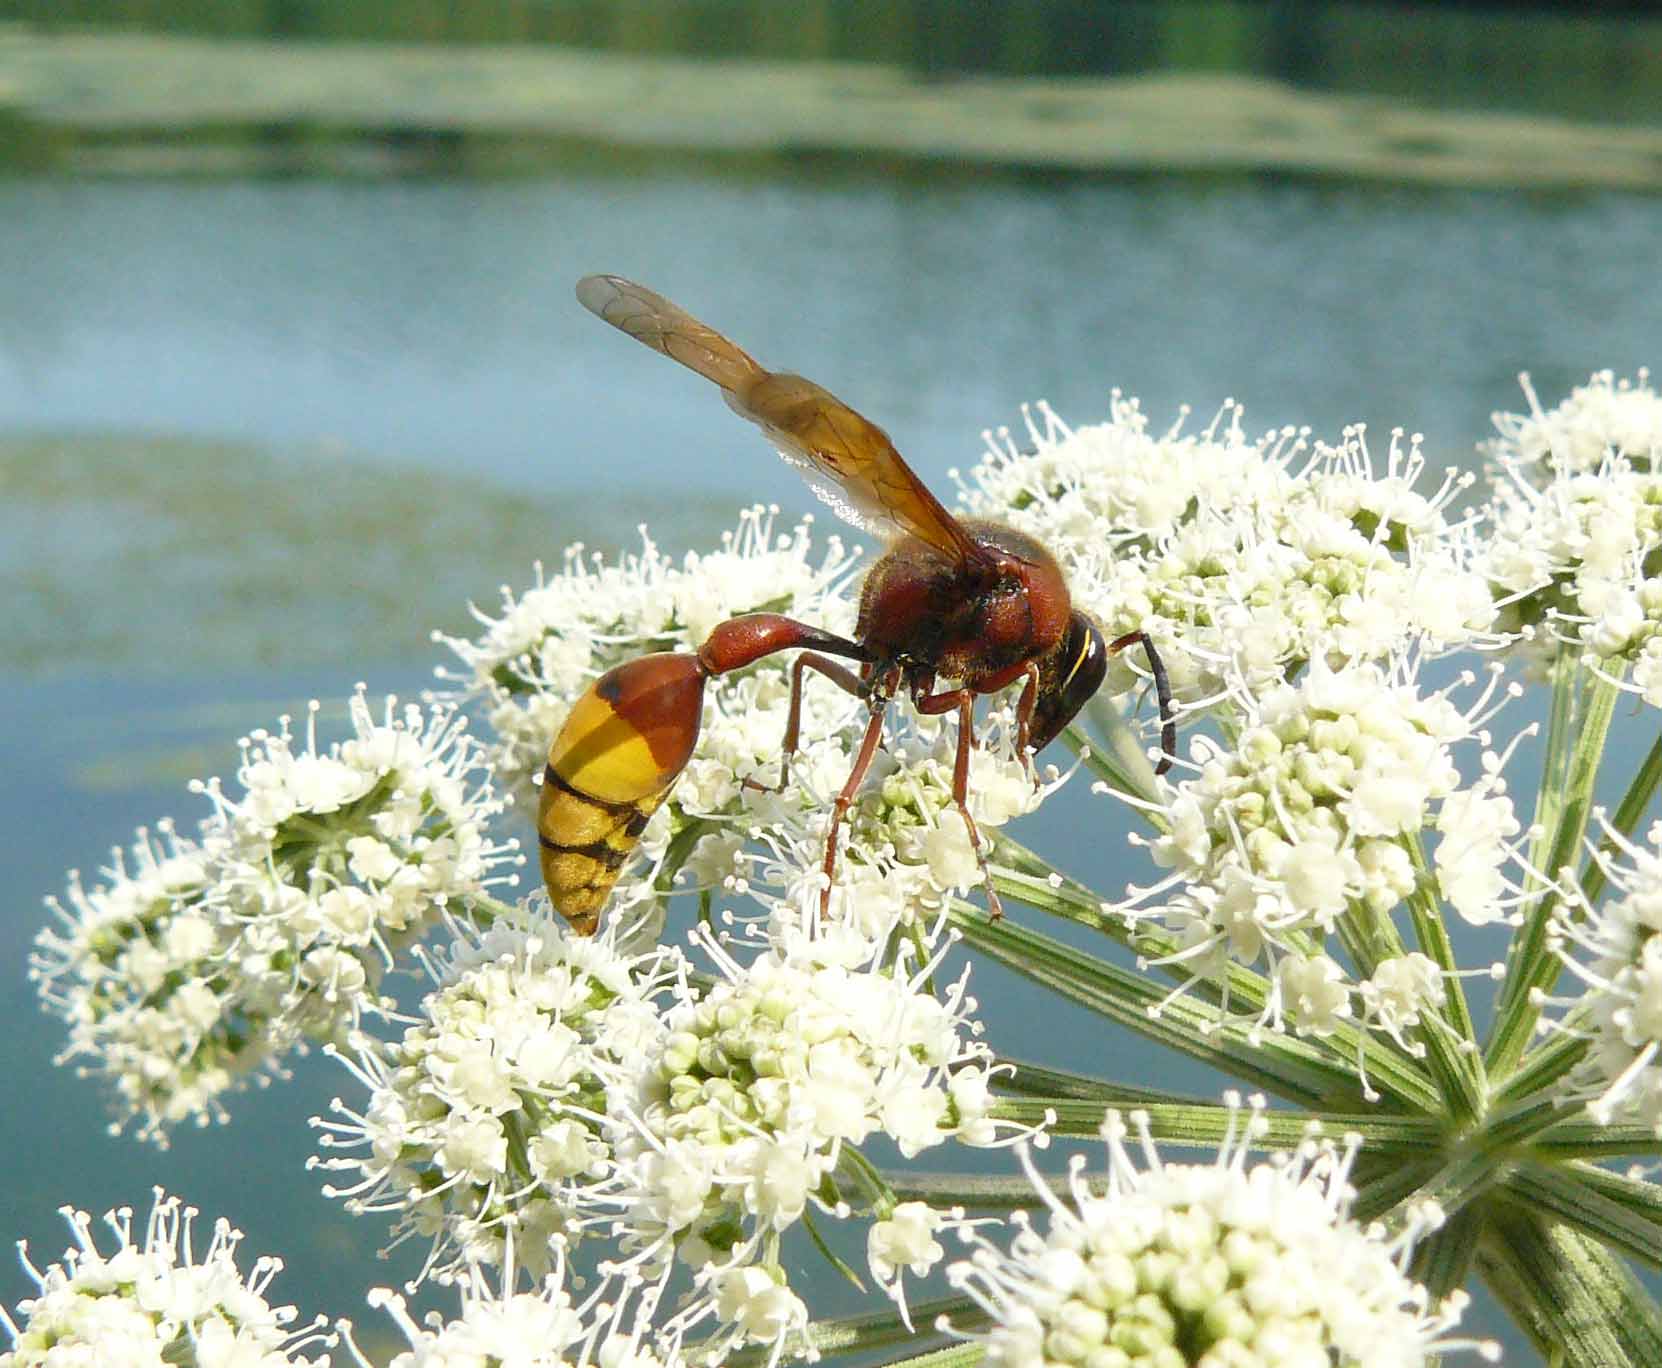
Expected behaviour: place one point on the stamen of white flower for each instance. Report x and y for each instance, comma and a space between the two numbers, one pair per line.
153, 1300
904, 1242
1272, 843
1223, 1260
528, 1032
544, 1328
1620, 963
1239, 557
1603, 417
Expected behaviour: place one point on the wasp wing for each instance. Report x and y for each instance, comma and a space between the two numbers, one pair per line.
650, 318
846, 459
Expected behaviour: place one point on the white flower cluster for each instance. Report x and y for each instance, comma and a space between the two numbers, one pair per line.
1217, 1265
1615, 950
738, 1127
154, 1300
1307, 816
137, 967
209, 958
1573, 563
552, 641
1605, 417
540, 1329
1242, 560
552, 1086
1574, 556
489, 1116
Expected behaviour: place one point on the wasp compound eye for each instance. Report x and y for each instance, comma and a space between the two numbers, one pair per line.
1078, 671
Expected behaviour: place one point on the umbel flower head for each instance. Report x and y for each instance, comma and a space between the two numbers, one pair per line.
490, 1115
546, 1328
1216, 1265
1615, 950
200, 961
138, 967
1312, 813
1242, 560
154, 1298
1605, 417
738, 1125
1577, 530
1571, 562
331, 861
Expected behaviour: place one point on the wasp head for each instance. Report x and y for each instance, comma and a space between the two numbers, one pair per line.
1071, 675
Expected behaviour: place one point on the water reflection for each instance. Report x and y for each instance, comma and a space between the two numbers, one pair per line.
434, 322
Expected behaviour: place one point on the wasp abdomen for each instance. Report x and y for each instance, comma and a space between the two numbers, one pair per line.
623, 745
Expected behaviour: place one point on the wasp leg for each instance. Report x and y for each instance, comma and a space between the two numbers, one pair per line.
1024, 720
1162, 691
845, 799
964, 701
840, 675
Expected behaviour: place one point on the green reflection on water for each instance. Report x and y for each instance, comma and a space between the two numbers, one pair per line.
1327, 91
168, 554
1601, 65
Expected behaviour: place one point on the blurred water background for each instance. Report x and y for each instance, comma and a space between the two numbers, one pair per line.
290, 368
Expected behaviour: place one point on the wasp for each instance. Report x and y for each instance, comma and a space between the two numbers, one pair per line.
954, 609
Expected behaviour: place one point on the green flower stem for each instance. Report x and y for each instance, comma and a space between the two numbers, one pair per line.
1637, 1195
1295, 1069
1461, 1070
953, 1356
1570, 1295
1522, 1121
1018, 873
827, 1253
1543, 1066
1104, 767
977, 1191
1131, 1000
1626, 817
1469, 1170
484, 911
1117, 755
680, 848
1025, 876
1041, 1080
1546, 1188
1582, 707
1443, 1259
868, 1331
1585, 1139
1186, 1123
1386, 1184
867, 1174
1367, 938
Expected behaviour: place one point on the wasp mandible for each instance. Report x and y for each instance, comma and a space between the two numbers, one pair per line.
970, 605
